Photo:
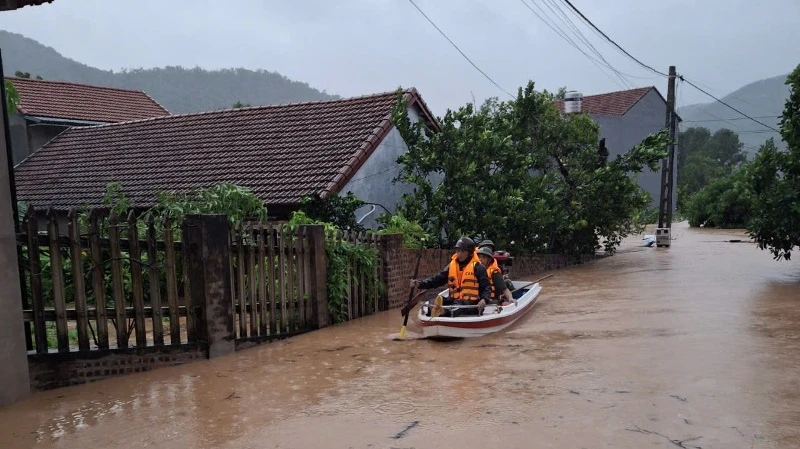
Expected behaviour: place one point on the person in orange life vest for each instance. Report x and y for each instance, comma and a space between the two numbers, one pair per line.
499, 288
490, 244
466, 278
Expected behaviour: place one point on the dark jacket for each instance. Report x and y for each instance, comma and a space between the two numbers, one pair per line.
440, 279
499, 284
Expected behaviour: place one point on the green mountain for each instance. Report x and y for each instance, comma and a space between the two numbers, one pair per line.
762, 100
178, 89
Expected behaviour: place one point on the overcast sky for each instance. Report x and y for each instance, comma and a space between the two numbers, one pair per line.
354, 47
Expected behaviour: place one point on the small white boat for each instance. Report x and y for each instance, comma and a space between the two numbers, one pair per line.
491, 321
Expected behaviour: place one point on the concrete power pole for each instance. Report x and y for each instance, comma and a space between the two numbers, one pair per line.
14, 380
663, 237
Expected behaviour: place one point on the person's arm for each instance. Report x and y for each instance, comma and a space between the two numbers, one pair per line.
499, 283
437, 280
484, 287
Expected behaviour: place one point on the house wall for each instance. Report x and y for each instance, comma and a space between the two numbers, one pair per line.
623, 132
373, 181
39, 134
27, 137
19, 137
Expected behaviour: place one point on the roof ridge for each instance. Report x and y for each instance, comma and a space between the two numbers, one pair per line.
156, 102
250, 108
71, 83
621, 91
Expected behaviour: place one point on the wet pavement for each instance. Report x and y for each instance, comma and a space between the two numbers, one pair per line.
697, 345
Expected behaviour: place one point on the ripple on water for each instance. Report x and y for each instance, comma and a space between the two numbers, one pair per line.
395, 408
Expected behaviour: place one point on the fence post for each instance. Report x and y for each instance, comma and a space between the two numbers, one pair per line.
395, 268
208, 261
318, 296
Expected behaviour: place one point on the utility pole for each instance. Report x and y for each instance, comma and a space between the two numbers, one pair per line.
663, 237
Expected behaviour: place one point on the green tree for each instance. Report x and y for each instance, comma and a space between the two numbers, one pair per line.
12, 97
520, 171
335, 209
776, 182
703, 157
27, 75
239, 104
726, 202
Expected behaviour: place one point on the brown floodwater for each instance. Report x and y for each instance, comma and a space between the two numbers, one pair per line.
698, 343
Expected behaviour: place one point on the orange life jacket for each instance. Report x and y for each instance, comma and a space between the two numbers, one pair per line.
490, 271
463, 284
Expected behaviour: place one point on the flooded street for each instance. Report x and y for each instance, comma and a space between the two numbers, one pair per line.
698, 344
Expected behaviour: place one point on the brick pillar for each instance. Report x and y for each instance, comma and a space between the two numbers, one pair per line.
318, 295
396, 269
208, 262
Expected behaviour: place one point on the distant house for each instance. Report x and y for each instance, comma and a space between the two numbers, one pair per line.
280, 152
626, 118
47, 108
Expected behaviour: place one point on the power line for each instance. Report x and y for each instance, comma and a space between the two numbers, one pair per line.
577, 32
569, 3
577, 11
459, 50
726, 104
564, 36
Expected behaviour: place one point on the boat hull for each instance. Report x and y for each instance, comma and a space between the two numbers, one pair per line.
478, 326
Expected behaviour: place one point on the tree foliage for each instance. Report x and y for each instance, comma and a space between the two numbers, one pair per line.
27, 75
335, 209
414, 236
12, 96
776, 182
704, 157
726, 202
520, 171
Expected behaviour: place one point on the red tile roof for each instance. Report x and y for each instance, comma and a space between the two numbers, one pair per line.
612, 103
63, 100
280, 152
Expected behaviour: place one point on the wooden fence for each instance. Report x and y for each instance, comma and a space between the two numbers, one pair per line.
97, 281
96, 284
364, 293
271, 269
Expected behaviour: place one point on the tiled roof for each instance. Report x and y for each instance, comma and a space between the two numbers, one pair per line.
8, 5
63, 100
612, 103
280, 152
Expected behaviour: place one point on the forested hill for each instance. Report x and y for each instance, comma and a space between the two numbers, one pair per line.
763, 100
178, 89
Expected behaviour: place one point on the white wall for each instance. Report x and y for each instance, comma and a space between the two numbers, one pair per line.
373, 181
623, 132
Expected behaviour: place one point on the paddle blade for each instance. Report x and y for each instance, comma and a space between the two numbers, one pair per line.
403, 332
437, 307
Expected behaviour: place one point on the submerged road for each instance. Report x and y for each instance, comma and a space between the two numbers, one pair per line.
693, 346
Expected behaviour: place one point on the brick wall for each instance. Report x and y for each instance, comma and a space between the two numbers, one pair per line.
398, 266
56, 370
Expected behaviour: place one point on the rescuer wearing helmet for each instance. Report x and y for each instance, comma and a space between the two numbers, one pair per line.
487, 243
465, 277
495, 275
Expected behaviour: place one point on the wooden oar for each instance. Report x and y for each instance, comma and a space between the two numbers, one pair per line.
413, 302
532, 283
